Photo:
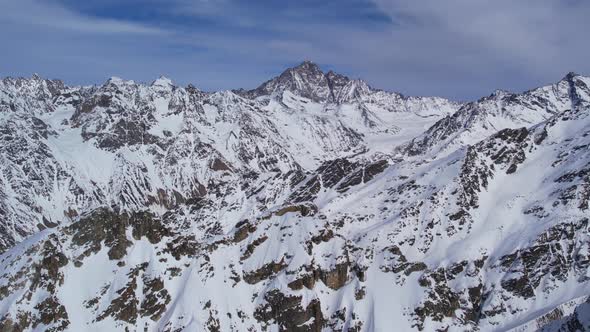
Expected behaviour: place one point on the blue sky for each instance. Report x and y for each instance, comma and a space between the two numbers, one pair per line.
461, 49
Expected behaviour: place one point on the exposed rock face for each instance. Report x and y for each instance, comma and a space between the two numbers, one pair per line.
289, 315
306, 80
37, 286
311, 203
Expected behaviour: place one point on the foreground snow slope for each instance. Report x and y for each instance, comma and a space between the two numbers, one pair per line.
313, 202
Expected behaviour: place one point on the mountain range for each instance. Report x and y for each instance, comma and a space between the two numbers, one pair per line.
314, 202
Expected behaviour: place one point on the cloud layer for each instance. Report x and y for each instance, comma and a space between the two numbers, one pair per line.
461, 49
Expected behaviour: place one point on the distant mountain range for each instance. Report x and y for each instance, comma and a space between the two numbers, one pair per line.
314, 202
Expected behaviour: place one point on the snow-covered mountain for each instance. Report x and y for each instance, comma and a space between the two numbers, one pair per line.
311, 203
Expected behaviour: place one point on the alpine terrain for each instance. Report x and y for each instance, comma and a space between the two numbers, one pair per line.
314, 202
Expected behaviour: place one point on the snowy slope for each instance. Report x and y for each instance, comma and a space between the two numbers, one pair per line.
499, 110
311, 203
135, 146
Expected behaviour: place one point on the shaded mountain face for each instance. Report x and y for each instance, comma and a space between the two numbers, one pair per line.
306, 80
309, 81
312, 203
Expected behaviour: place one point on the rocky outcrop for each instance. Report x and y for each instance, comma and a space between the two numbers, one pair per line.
288, 313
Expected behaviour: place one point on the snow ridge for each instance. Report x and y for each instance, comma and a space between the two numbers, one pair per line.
314, 202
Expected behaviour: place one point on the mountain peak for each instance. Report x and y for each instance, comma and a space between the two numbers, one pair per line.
500, 93
115, 81
306, 80
307, 66
162, 82
570, 75
307, 69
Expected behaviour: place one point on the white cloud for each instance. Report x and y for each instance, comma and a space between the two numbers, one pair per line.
525, 33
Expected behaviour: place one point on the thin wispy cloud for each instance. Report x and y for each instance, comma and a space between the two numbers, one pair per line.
527, 33
458, 48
